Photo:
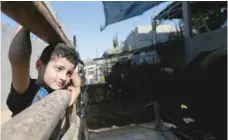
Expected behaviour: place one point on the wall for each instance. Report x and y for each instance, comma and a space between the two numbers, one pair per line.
7, 34
91, 73
206, 42
174, 54
142, 35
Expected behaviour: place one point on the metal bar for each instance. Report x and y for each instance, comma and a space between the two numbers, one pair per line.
75, 41
187, 18
73, 130
38, 19
36, 16
83, 131
187, 28
167, 10
38, 121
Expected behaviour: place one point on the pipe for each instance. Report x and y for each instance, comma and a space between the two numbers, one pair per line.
38, 121
38, 19
36, 16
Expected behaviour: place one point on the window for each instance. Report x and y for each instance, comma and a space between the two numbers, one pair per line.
90, 72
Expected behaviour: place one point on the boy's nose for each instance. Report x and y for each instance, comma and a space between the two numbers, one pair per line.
63, 77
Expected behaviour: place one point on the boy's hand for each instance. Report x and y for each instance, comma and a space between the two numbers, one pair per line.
75, 89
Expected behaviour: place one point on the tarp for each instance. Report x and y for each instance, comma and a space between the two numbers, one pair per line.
116, 11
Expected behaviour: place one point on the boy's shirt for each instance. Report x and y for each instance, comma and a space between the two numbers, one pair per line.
17, 103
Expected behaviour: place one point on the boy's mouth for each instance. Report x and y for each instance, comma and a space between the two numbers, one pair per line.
60, 84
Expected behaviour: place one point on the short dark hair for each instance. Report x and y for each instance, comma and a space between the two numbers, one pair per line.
60, 50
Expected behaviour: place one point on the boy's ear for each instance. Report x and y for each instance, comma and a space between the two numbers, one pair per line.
39, 64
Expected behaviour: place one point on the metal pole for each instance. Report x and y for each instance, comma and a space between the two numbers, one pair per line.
187, 19
187, 29
75, 41
39, 120
154, 34
73, 131
83, 131
37, 17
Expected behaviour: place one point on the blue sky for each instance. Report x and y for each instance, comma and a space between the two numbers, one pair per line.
84, 18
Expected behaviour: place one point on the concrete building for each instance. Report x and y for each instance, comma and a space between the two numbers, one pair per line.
93, 72
142, 36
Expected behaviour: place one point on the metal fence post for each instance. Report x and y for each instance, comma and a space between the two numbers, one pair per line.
39, 120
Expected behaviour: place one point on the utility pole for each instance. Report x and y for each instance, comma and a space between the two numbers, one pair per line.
96, 52
75, 41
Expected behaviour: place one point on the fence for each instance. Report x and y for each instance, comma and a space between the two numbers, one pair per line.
101, 70
38, 121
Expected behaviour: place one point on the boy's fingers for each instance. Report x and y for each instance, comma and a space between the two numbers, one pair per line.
76, 80
75, 92
70, 88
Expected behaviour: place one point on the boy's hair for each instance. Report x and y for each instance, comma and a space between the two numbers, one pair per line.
60, 50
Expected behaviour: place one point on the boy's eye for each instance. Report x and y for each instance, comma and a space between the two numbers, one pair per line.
69, 74
58, 69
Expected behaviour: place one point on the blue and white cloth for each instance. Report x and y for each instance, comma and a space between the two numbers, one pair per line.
41, 93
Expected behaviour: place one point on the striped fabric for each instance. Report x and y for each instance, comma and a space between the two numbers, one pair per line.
41, 93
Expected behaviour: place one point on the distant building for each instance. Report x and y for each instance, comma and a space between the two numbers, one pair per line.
93, 72
142, 36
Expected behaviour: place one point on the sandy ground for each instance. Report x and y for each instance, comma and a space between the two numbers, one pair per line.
5, 114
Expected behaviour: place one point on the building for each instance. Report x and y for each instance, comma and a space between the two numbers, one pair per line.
143, 36
93, 72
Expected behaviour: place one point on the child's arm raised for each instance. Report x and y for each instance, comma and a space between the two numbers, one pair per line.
19, 56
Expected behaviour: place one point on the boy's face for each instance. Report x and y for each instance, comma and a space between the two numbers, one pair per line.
57, 73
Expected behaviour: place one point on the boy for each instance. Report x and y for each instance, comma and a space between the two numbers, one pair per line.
55, 68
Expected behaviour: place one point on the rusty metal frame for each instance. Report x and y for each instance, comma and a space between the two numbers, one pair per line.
36, 16
38, 19
38, 121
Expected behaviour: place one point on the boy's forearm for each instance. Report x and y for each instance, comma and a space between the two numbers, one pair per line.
20, 47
